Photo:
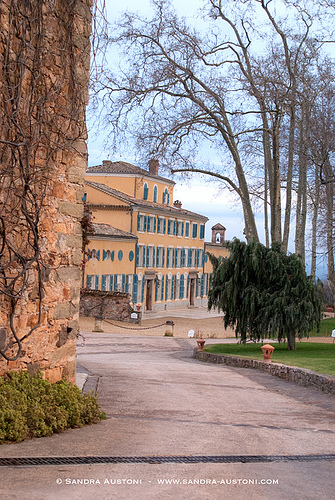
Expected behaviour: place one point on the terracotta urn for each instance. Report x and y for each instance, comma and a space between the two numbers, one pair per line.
267, 352
201, 344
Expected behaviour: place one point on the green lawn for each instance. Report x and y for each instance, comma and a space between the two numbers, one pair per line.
326, 328
314, 356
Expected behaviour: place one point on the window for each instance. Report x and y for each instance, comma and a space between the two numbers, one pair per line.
177, 262
180, 228
150, 256
187, 229
166, 196
155, 194
172, 227
160, 256
161, 225
151, 224
141, 222
140, 256
194, 230
202, 231
145, 191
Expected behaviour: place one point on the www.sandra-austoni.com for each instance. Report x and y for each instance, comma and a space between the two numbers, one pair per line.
166, 481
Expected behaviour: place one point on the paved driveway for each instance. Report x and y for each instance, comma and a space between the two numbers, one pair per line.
162, 403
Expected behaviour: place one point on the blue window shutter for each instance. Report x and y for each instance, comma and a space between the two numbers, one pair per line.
135, 288
110, 282
148, 255
189, 258
181, 292
202, 287
162, 288
168, 257
137, 256
123, 282
97, 282
187, 229
166, 288
173, 257
172, 287
197, 257
157, 257
143, 257
155, 224
158, 225
155, 194
145, 223
153, 256
148, 224
168, 198
103, 282
182, 228
174, 226
98, 255
156, 291
197, 288
164, 226
188, 285
163, 257
145, 191
104, 254
169, 227
88, 281
194, 230
138, 222
115, 281
142, 289
202, 231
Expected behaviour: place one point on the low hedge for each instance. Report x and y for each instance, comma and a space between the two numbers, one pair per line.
33, 407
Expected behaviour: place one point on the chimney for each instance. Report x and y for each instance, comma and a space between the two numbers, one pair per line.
177, 204
153, 166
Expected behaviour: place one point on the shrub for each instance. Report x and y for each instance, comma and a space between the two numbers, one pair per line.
33, 407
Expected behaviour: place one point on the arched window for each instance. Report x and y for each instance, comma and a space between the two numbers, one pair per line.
166, 196
145, 191
218, 238
155, 194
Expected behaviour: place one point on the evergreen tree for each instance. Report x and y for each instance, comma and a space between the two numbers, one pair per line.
264, 293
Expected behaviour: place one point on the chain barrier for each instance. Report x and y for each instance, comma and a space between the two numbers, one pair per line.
136, 329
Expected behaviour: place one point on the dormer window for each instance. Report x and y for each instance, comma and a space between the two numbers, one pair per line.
166, 196
145, 191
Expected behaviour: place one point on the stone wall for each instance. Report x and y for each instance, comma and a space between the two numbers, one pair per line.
105, 305
62, 153
294, 374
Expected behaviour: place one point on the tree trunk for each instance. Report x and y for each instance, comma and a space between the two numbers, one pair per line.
291, 342
287, 221
316, 202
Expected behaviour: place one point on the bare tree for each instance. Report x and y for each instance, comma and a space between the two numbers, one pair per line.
233, 88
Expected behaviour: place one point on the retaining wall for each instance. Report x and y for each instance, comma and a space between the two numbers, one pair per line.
294, 374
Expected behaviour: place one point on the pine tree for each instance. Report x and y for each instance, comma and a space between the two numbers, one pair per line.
264, 293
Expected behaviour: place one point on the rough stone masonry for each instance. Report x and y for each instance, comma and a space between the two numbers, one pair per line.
65, 54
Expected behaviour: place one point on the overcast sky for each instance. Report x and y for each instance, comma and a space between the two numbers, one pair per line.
196, 194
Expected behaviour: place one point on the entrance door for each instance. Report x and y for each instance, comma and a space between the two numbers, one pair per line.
192, 291
148, 302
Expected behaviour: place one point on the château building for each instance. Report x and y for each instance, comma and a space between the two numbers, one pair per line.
145, 242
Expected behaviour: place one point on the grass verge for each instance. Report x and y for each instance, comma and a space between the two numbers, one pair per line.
314, 356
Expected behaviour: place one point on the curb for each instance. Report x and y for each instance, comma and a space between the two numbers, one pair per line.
301, 376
